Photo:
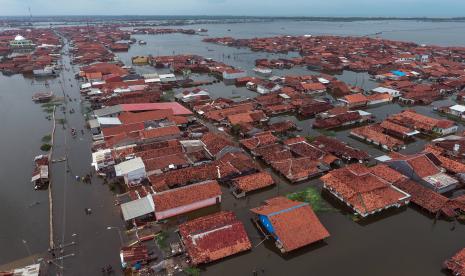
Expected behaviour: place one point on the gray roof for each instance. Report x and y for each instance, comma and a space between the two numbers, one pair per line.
107, 111
138, 208
126, 167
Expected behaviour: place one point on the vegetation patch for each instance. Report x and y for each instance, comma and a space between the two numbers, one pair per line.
45, 147
313, 197
47, 138
167, 96
161, 240
192, 271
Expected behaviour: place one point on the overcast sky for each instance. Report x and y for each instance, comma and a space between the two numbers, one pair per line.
432, 8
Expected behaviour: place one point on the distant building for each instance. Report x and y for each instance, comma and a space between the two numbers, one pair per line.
20, 42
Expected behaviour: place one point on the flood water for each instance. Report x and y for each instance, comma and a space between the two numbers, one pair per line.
407, 242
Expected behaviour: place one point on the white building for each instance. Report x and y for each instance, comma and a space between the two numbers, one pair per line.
133, 171
394, 93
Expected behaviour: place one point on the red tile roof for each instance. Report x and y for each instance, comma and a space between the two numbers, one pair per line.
140, 117
177, 108
295, 224
216, 142
422, 165
112, 131
214, 237
186, 195
253, 182
457, 263
259, 139
296, 169
160, 132
363, 190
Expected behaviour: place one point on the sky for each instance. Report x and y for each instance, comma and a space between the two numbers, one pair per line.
395, 8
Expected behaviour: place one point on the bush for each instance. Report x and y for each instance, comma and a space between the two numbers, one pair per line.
45, 147
313, 197
192, 271
47, 138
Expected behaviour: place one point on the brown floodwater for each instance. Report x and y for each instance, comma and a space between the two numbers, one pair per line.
405, 242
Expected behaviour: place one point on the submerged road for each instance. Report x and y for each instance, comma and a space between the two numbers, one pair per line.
87, 244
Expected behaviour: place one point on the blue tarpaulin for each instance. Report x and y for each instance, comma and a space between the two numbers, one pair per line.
398, 73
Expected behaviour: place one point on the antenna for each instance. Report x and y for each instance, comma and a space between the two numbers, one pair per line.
30, 14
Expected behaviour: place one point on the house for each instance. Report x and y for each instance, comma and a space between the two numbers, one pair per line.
381, 90
354, 100
160, 134
456, 264
230, 75
185, 199
259, 140
397, 130
298, 169
214, 237
344, 119
425, 169
217, 144
365, 190
313, 87
137, 209
244, 184
374, 134
456, 110
133, 171
102, 159
133, 256
339, 149
379, 98
194, 95
292, 224
427, 125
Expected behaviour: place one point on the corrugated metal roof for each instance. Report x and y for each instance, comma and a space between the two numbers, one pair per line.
137, 208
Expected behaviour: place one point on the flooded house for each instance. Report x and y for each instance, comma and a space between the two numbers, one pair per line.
374, 134
366, 191
456, 264
291, 224
424, 124
132, 171
424, 168
214, 237
242, 185
40, 175
185, 199
339, 149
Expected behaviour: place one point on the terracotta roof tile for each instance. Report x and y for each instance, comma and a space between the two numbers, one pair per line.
186, 195
214, 237
295, 224
253, 182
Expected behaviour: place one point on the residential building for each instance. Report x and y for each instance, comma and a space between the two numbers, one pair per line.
214, 237
292, 224
365, 190
185, 199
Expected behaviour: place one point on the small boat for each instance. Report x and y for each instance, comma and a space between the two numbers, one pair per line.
264, 72
41, 97
142, 42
